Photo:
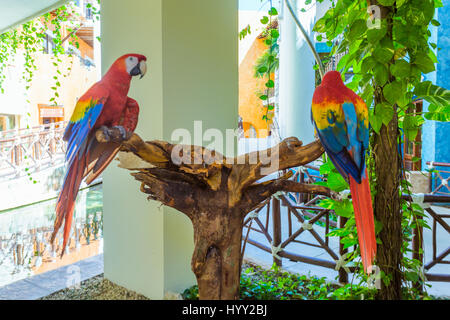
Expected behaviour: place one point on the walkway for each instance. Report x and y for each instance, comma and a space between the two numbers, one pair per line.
49, 282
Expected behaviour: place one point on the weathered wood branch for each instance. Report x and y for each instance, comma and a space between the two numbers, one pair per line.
216, 193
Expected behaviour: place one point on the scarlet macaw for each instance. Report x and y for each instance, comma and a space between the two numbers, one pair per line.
341, 119
104, 105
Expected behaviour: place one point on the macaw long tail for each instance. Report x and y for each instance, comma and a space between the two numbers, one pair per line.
66, 201
362, 203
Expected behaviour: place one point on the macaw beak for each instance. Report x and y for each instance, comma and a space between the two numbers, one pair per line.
143, 68
140, 69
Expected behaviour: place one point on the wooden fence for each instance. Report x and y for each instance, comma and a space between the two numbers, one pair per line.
303, 210
440, 179
30, 150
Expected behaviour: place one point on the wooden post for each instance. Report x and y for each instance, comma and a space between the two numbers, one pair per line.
302, 180
417, 246
276, 218
343, 275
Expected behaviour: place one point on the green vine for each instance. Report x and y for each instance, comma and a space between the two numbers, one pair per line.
269, 61
30, 36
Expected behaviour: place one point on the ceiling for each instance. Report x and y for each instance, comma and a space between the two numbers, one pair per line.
15, 12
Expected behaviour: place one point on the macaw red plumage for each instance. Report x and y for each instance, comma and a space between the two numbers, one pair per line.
341, 119
106, 104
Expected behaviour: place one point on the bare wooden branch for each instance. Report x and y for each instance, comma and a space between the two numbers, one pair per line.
216, 193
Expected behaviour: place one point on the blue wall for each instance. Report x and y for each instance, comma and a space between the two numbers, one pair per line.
436, 135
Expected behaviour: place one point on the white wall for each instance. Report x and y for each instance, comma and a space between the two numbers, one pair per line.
192, 54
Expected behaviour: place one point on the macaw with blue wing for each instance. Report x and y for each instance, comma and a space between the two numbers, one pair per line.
106, 104
341, 119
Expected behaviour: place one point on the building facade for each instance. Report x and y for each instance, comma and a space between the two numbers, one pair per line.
21, 108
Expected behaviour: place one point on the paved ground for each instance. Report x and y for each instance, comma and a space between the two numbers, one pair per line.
46, 283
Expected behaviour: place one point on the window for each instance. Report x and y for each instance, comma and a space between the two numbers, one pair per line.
412, 150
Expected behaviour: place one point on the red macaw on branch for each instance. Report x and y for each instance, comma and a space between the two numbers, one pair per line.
106, 104
341, 119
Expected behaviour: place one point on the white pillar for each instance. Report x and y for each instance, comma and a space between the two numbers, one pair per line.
297, 77
192, 54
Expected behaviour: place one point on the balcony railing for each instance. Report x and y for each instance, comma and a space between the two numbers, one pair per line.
25, 151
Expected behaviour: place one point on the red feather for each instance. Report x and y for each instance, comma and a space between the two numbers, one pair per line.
362, 205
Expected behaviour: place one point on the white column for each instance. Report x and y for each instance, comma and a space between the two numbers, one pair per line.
192, 54
297, 77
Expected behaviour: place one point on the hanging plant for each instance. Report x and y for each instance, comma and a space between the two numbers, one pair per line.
30, 36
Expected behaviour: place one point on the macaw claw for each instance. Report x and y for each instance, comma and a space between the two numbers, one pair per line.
122, 135
116, 134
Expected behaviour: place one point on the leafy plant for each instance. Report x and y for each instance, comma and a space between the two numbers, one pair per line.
30, 36
388, 52
275, 284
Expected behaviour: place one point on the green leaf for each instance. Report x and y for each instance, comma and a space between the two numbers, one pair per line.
265, 20
393, 91
336, 182
270, 84
425, 63
357, 29
383, 54
264, 97
438, 4
410, 127
273, 11
274, 33
325, 168
411, 276
399, 3
262, 69
385, 112
401, 69
368, 64
435, 23
343, 208
381, 74
433, 94
386, 2
376, 34
343, 62
375, 121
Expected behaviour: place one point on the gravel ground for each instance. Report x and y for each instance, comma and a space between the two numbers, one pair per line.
97, 288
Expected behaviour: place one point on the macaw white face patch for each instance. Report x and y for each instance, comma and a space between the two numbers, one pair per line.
131, 63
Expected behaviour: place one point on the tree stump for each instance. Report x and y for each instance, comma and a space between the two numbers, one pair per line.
216, 193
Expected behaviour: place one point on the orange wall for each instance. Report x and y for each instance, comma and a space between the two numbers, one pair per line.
78, 80
251, 107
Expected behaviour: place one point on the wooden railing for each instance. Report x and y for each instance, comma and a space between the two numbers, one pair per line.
25, 151
440, 179
334, 61
417, 240
303, 215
